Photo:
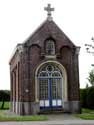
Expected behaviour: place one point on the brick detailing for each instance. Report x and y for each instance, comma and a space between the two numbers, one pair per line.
24, 64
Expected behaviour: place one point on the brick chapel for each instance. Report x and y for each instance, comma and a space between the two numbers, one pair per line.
44, 72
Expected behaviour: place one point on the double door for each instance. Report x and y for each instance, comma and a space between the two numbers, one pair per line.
50, 92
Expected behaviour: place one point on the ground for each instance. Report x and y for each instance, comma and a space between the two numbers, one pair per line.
55, 122
53, 119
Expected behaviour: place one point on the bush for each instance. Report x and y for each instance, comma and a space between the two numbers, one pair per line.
90, 98
4, 96
87, 97
83, 98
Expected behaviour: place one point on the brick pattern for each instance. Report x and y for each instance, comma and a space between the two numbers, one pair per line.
24, 64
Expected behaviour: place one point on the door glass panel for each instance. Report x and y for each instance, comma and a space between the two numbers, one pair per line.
54, 89
47, 103
50, 86
59, 102
41, 103
54, 102
43, 89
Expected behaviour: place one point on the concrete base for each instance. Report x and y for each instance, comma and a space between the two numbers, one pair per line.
72, 106
25, 108
66, 106
75, 107
32, 108
35, 108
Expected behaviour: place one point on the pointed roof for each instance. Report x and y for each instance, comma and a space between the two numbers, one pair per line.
46, 30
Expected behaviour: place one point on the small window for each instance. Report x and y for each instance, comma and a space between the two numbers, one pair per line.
50, 47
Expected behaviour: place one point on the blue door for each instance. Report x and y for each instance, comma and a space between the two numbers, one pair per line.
50, 87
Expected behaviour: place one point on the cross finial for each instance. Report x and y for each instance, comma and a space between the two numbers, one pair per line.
49, 9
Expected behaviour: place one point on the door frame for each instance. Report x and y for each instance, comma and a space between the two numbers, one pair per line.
53, 101
64, 80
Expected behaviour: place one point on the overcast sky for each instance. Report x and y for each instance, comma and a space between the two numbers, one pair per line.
19, 18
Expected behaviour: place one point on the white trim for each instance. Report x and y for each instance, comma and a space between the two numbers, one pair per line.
64, 80
50, 56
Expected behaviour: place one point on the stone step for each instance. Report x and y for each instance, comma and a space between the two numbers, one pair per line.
51, 111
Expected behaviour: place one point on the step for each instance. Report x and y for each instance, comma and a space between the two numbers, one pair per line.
51, 111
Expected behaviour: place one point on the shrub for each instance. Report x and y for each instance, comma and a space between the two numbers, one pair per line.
90, 98
4, 96
87, 97
83, 98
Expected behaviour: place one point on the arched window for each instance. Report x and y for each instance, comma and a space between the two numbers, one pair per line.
50, 47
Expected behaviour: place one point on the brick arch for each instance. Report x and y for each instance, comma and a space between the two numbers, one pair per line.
35, 45
66, 54
34, 51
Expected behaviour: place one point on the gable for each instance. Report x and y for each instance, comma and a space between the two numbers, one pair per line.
49, 29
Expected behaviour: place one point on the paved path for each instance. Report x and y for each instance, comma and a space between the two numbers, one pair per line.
62, 122
60, 117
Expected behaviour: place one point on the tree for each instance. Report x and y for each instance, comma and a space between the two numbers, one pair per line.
90, 98
83, 97
91, 77
87, 85
90, 47
4, 96
87, 97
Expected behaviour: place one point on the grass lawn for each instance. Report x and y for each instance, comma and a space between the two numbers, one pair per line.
87, 110
4, 117
87, 114
6, 105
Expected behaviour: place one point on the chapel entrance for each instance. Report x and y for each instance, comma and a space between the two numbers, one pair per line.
50, 87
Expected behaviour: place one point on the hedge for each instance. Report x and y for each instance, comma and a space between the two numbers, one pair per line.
87, 97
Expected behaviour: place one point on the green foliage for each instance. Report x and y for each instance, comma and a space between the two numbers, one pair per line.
90, 98
87, 85
91, 77
87, 97
83, 98
4, 96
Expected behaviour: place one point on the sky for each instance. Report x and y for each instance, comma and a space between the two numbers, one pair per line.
20, 18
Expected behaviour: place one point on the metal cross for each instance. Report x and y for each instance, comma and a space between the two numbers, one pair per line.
49, 9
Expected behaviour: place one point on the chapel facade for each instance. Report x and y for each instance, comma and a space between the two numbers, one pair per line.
44, 72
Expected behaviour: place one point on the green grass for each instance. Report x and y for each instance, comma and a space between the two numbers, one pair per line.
87, 114
87, 110
24, 118
6, 105
4, 117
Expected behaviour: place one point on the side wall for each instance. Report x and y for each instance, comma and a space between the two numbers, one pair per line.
15, 79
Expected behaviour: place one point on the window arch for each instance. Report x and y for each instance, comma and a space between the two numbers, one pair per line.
50, 47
